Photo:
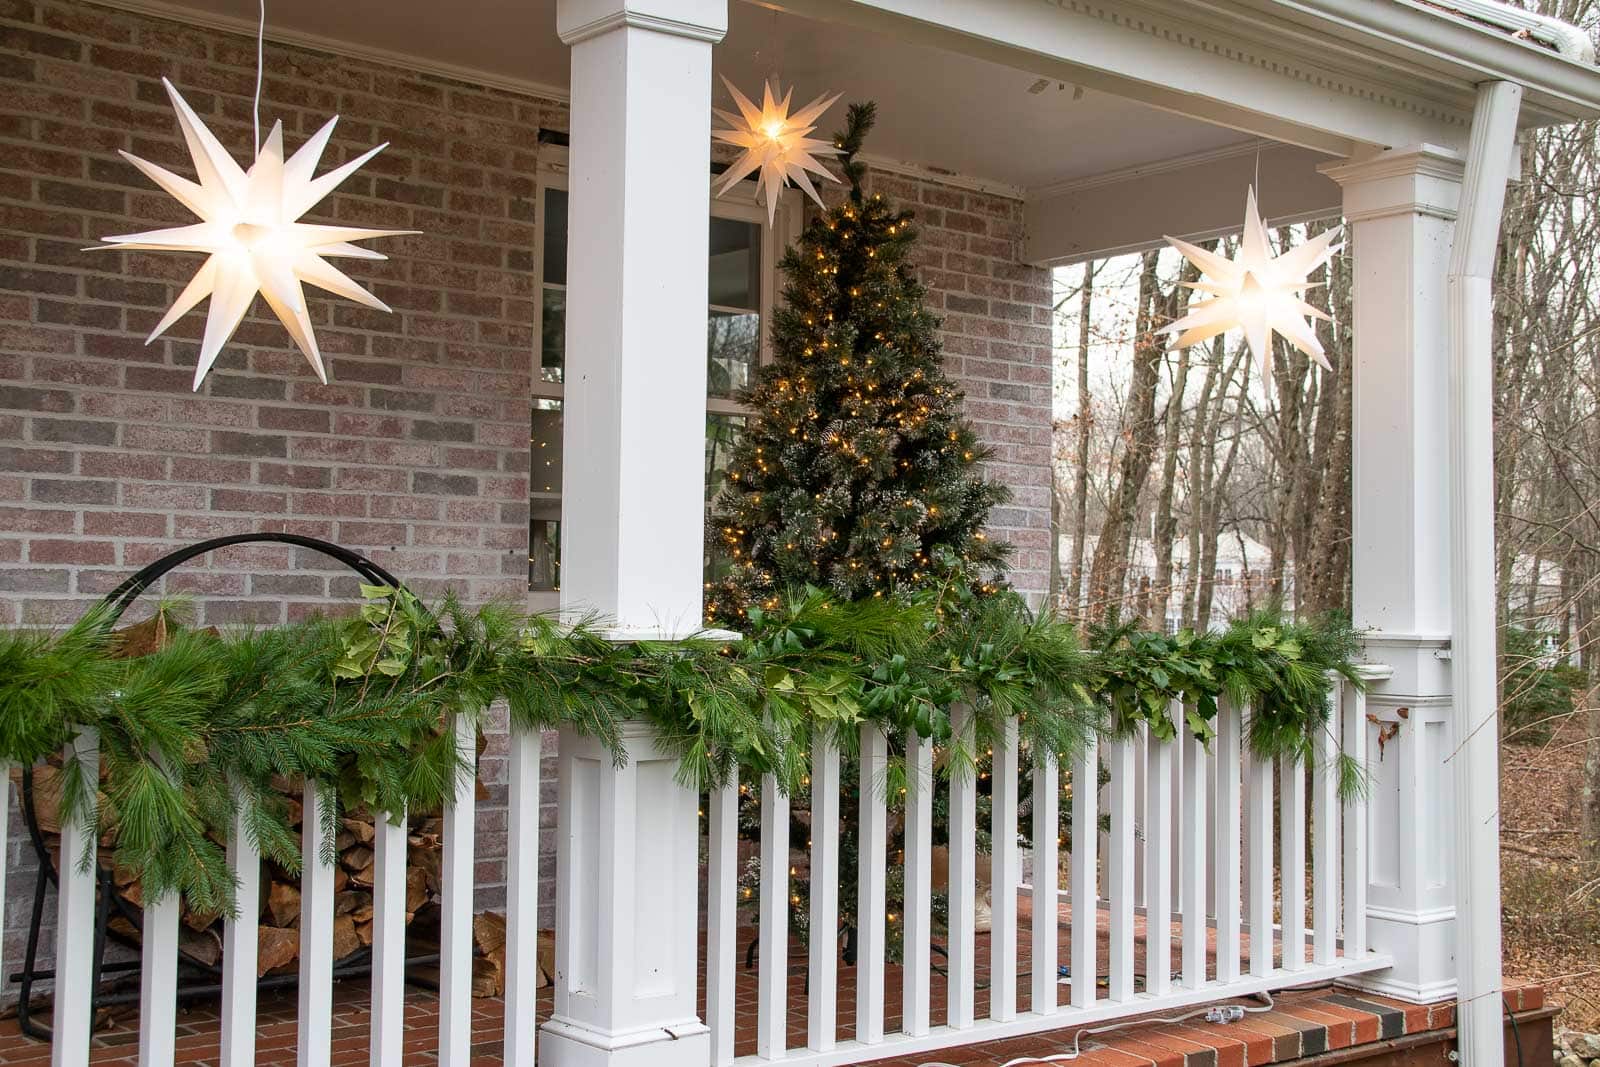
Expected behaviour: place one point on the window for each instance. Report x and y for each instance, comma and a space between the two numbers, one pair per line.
742, 267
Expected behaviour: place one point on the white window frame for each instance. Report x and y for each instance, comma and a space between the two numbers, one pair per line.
738, 203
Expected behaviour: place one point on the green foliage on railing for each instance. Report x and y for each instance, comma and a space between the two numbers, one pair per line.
205, 725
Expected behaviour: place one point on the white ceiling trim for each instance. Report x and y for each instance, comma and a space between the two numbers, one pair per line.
943, 177
1159, 166
334, 46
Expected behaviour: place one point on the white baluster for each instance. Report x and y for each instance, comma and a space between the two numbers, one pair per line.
75, 908
1158, 866
822, 1009
158, 976
1354, 711
1046, 881
1193, 859
1325, 838
772, 1011
1085, 901
388, 939
1003, 862
1141, 759
722, 918
1258, 790
455, 912
963, 879
241, 944
522, 897
1228, 830
1120, 866
1292, 853
315, 1044
918, 951
872, 871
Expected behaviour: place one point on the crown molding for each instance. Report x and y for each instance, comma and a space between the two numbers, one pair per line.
942, 177
335, 46
640, 20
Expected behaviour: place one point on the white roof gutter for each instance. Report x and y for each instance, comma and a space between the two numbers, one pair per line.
1567, 39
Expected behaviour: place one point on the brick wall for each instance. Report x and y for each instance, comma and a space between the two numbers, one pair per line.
416, 452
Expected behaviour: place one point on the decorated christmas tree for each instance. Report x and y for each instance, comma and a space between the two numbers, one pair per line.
858, 473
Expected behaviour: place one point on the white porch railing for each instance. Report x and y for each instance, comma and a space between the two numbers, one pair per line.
1188, 860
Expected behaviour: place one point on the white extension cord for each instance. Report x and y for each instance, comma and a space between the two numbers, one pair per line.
1214, 1013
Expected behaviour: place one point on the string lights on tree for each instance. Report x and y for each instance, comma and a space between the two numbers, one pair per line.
1257, 292
858, 471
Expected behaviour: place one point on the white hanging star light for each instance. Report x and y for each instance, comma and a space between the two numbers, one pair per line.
1256, 292
775, 143
251, 235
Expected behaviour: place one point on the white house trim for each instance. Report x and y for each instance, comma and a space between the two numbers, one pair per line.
1197, 197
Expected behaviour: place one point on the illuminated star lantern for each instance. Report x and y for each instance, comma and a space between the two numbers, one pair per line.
1256, 292
775, 143
249, 231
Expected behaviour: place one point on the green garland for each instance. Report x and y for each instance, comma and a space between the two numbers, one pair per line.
208, 725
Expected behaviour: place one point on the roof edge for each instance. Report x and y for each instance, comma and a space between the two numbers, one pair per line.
1564, 37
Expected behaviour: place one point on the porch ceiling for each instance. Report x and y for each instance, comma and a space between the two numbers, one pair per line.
938, 108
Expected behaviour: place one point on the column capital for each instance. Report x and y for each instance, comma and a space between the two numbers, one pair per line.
1420, 179
698, 20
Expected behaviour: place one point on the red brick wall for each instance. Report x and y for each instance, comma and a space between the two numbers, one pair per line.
416, 453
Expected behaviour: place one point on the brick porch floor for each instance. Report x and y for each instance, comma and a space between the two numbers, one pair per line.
1303, 1023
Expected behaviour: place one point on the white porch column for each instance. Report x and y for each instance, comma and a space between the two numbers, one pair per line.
627, 848
627, 863
1401, 207
634, 426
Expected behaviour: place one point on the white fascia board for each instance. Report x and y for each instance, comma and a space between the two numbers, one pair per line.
1231, 71
1338, 76
1438, 50
1196, 197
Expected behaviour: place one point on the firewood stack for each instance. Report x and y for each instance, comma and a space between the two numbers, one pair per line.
200, 936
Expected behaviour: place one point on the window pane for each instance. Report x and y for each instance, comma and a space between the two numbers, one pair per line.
722, 434
735, 263
555, 237
544, 496
733, 345
553, 343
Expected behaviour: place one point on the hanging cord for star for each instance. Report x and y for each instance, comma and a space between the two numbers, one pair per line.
1215, 1013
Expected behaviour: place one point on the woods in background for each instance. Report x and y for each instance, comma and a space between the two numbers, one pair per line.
1169, 461
1188, 491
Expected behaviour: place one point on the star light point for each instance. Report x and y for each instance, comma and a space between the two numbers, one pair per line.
250, 231
775, 144
1256, 291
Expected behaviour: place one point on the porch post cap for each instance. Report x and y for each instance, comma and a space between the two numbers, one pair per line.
699, 20
1422, 160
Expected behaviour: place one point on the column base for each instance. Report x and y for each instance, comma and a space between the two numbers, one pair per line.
563, 1043
1423, 946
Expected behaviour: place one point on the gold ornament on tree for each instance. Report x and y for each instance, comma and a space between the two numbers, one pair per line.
775, 143
251, 235
1257, 292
